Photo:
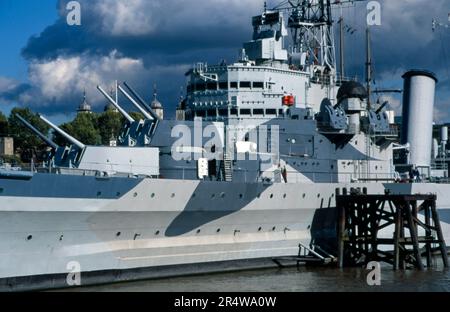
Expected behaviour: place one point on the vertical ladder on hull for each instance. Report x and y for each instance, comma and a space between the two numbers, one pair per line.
227, 168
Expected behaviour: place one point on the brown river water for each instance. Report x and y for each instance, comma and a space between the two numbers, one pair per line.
302, 279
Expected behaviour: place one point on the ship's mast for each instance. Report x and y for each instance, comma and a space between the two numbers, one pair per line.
312, 31
341, 47
368, 67
311, 25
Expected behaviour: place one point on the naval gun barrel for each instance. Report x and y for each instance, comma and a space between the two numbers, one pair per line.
380, 109
120, 109
49, 142
64, 134
139, 98
139, 107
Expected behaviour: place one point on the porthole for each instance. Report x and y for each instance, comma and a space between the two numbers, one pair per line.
284, 195
29, 237
135, 194
222, 195
198, 231
173, 195
274, 228
213, 196
271, 196
99, 194
193, 195
157, 232
259, 229
118, 234
1, 190
152, 195
304, 195
218, 231
318, 195
259, 195
61, 238
241, 196
117, 194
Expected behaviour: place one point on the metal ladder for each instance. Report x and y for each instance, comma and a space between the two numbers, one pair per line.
313, 255
227, 168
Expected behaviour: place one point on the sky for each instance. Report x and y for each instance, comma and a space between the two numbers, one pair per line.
46, 64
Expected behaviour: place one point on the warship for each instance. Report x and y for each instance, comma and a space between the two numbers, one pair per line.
249, 169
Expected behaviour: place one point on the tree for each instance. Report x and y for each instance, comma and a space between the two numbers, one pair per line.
26, 142
109, 124
4, 131
82, 128
136, 116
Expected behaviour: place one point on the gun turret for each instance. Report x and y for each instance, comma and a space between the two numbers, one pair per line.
120, 109
49, 142
71, 139
139, 98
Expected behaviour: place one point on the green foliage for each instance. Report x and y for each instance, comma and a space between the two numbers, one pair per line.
24, 139
83, 128
90, 129
137, 116
4, 131
109, 125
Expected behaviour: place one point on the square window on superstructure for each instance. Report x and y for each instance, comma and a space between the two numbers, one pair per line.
258, 111
212, 113
245, 84
233, 85
223, 85
258, 85
223, 112
200, 87
233, 111
211, 86
271, 111
246, 111
200, 113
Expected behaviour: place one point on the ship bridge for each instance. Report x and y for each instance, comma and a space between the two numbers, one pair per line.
263, 84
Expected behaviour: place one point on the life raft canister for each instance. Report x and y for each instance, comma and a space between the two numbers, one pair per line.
288, 100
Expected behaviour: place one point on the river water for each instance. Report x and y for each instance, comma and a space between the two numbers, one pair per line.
302, 279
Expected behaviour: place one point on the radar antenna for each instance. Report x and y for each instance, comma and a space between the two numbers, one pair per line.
311, 24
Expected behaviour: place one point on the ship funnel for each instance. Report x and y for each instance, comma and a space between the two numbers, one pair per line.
120, 109
139, 98
417, 124
64, 134
139, 107
44, 138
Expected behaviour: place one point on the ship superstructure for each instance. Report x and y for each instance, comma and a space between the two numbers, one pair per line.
249, 169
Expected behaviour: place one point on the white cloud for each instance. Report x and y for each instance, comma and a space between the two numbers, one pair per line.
7, 84
64, 79
141, 17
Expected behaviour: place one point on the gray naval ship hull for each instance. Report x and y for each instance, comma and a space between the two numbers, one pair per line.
120, 229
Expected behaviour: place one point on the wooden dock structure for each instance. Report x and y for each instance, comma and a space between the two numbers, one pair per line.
361, 217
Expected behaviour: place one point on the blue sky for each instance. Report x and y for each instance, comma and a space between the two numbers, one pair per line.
19, 19
46, 65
